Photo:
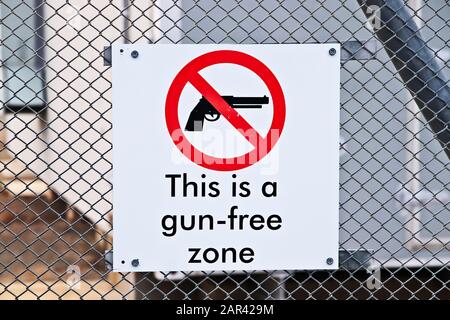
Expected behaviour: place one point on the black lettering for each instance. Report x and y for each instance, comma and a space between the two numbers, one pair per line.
203, 185
210, 219
232, 216
233, 254
257, 222
187, 184
194, 255
184, 221
274, 222
215, 192
247, 255
245, 192
172, 183
215, 255
225, 255
233, 187
192, 188
242, 218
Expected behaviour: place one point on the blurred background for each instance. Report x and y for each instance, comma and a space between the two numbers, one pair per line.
55, 150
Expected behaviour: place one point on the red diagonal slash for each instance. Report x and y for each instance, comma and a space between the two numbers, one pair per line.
216, 100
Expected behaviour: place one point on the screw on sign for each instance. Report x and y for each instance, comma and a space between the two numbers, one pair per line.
213, 104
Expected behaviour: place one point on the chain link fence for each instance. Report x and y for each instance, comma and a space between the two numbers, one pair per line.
55, 145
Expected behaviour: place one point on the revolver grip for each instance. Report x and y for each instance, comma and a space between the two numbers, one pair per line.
195, 121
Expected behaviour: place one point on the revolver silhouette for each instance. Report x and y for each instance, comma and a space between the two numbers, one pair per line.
204, 110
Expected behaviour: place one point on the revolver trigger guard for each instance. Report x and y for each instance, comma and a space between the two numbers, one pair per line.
213, 117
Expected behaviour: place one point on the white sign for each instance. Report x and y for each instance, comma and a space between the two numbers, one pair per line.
226, 157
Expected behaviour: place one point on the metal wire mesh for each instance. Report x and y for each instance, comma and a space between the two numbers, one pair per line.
55, 151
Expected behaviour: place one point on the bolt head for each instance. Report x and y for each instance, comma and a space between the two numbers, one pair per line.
135, 262
332, 51
330, 261
134, 54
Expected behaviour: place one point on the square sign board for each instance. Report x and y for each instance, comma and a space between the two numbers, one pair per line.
226, 157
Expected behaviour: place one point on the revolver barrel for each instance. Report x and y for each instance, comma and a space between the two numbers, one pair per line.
241, 101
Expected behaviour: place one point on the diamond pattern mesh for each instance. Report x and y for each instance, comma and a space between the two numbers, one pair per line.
55, 151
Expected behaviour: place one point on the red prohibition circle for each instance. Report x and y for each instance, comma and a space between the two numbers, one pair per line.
264, 144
